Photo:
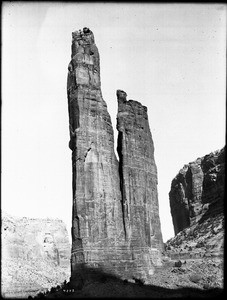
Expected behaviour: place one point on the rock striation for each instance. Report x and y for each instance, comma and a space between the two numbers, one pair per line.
197, 191
115, 220
35, 255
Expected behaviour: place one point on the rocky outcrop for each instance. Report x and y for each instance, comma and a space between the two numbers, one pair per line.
197, 200
113, 228
197, 191
35, 255
199, 241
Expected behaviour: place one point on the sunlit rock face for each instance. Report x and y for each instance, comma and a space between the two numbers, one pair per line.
197, 192
35, 255
103, 235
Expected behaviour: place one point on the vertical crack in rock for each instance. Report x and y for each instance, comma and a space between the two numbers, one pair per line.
120, 155
115, 221
121, 97
198, 190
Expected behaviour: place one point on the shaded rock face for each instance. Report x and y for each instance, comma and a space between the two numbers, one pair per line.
110, 230
35, 254
197, 192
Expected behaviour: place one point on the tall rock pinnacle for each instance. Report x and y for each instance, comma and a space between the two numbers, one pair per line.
97, 222
115, 222
138, 174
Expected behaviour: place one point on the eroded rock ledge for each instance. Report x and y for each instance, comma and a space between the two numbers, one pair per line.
115, 222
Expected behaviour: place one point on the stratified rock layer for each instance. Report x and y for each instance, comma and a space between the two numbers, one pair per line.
35, 255
103, 235
197, 192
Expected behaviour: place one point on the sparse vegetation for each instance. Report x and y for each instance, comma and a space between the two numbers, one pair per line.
178, 264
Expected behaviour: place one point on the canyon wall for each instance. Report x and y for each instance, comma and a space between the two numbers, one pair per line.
35, 255
197, 208
197, 192
115, 222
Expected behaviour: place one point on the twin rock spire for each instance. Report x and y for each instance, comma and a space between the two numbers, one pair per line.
115, 220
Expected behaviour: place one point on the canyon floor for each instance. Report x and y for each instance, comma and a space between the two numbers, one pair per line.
193, 266
194, 278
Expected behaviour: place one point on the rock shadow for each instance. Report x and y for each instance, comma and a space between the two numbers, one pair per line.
91, 282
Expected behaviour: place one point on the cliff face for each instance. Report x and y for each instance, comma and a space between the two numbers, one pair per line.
107, 229
197, 191
35, 254
196, 201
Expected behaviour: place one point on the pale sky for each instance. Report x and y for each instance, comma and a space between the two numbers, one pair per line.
169, 57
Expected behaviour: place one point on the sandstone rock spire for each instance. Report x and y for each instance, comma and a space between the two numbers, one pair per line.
138, 174
115, 223
97, 214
